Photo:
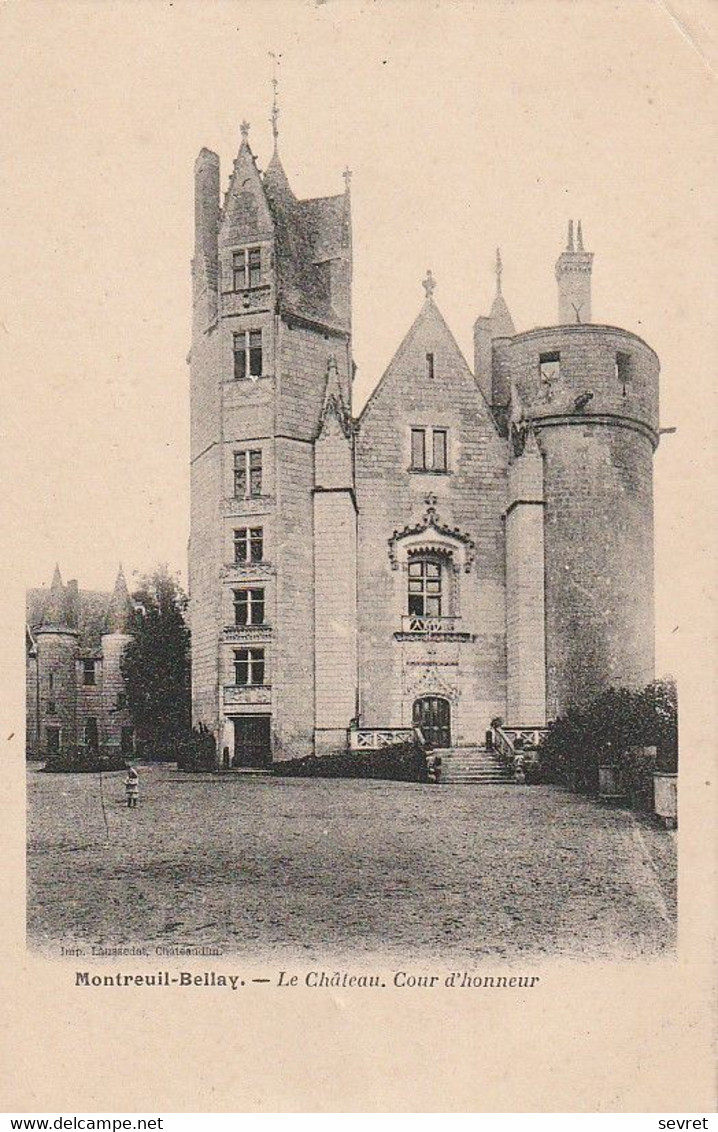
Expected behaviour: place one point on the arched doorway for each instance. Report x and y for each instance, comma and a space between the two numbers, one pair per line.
433, 715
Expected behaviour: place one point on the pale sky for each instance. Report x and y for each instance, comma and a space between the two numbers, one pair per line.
466, 126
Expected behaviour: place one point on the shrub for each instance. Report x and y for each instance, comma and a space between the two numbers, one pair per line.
197, 751
403, 762
85, 760
614, 730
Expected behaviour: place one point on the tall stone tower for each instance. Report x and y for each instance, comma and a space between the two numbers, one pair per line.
271, 332
57, 659
589, 394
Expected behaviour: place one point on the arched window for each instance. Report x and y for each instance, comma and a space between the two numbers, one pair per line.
426, 587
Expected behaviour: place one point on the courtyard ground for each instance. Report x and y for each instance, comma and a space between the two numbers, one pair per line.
342, 868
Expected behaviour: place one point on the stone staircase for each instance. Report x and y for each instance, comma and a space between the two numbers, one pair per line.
474, 765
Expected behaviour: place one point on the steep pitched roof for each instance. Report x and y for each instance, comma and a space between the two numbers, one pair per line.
431, 327
502, 324
91, 613
120, 606
308, 233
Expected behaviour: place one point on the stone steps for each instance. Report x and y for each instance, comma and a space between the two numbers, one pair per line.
474, 765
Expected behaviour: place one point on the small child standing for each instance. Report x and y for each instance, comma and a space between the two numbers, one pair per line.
132, 788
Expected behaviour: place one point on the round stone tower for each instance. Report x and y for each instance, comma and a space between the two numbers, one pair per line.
57, 658
590, 394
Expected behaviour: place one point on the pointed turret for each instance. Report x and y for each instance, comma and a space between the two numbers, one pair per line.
55, 612
502, 324
118, 613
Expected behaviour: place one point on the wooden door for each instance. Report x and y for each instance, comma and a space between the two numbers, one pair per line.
433, 715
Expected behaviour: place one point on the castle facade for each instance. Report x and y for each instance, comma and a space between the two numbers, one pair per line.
75, 691
477, 543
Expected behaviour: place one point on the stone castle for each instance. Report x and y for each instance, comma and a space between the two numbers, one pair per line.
477, 543
76, 697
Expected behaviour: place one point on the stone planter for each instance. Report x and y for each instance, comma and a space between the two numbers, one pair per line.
665, 795
610, 788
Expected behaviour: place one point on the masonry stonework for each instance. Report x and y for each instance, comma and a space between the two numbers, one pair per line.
471, 545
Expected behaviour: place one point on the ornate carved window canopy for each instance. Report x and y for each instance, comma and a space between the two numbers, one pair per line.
431, 536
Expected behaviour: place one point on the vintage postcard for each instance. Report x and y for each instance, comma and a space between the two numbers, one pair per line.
359, 594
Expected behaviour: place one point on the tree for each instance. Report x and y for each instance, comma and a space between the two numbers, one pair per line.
156, 664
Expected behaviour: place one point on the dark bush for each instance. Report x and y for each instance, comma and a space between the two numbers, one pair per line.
614, 730
197, 751
401, 762
85, 760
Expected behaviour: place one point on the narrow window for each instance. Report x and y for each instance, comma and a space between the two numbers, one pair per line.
51, 707
247, 473
241, 545
255, 267
249, 607
51, 681
247, 354
550, 366
92, 738
430, 366
88, 672
240, 356
52, 739
424, 588
248, 667
239, 271
121, 701
255, 353
256, 544
623, 370
440, 463
418, 449
127, 741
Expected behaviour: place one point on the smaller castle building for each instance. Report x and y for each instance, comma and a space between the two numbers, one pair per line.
76, 696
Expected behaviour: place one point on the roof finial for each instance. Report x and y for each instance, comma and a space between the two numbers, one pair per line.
429, 284
499, 271
244, 129
579, 237
569, 245
275, 106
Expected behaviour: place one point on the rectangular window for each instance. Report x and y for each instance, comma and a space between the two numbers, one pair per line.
430, 366
623, 369
248, 473
239, 271
418, 449
121, 701
247, 354
246, 269
429, 453
51, 707
550, 366
51, 681
254, 257
439, 450
249, 607
92, 738
248, 667
52, 739
248, 544
88, 672
424, 589
127, 741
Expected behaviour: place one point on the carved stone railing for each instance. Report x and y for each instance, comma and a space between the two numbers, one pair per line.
410, 623
373, 738
247, 694
513, 744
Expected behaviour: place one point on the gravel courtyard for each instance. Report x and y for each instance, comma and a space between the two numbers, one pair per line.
317, 868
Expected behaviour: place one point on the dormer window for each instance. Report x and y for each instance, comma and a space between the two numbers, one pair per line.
246, 269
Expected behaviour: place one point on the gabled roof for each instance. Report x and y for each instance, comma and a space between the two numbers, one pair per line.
91, 611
